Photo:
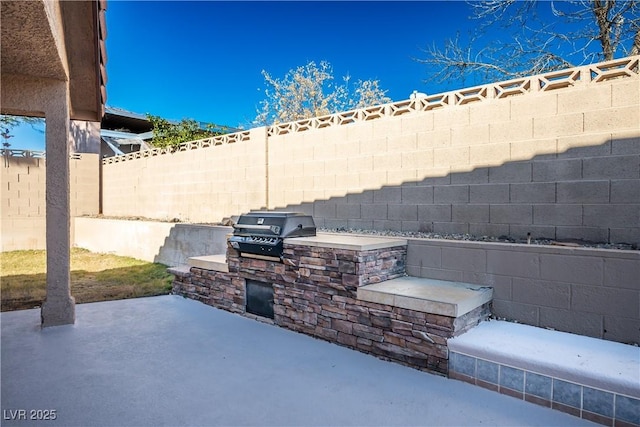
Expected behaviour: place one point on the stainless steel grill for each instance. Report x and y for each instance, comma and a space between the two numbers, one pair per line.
262, 232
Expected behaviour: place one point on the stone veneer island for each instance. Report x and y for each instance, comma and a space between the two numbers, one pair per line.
346, 289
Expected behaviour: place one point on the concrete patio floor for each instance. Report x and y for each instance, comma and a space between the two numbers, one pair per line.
169, 361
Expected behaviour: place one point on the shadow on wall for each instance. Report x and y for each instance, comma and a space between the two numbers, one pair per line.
188, 240
9, 160
589, 193
85, 137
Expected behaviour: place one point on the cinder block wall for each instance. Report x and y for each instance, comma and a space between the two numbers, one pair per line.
200, 185
556, 155
562, 164
84, 184
592, 292
23, 197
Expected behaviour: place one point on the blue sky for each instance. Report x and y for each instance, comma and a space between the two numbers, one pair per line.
203, 60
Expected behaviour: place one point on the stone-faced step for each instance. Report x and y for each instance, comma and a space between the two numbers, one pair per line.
452, 299
210, 262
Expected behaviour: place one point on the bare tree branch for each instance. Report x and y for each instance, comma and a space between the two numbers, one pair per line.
585, 31
635, 49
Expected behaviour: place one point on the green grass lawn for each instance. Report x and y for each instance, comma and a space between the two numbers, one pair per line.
94, 277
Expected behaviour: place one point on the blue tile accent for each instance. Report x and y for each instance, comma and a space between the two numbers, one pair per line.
627, 409
538, 385
597, 401
512, 378
566, 393
488, 371
453, 361
463, 364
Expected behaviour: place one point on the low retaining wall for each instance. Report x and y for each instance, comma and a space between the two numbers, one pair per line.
164, 242
586, 291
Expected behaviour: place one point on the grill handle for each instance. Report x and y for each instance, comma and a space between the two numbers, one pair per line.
272, 228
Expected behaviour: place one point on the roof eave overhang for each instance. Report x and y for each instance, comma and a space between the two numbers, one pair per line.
85, 35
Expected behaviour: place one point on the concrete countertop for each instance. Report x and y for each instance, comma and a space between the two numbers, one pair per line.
347, 241
433, 296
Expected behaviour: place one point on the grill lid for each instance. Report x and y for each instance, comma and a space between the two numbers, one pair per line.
275, 224
263, 232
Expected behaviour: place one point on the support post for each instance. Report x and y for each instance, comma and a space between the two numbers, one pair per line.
59, 305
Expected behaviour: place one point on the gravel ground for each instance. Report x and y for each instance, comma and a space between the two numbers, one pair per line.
469, 237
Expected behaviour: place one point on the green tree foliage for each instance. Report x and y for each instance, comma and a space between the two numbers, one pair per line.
310, 91
536, 37
168, 134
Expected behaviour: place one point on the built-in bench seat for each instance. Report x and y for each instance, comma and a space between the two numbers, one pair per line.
586, 377
452, 299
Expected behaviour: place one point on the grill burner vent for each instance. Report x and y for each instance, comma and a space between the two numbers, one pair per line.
262, 232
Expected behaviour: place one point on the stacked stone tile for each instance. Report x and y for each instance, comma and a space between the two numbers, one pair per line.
218, 289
